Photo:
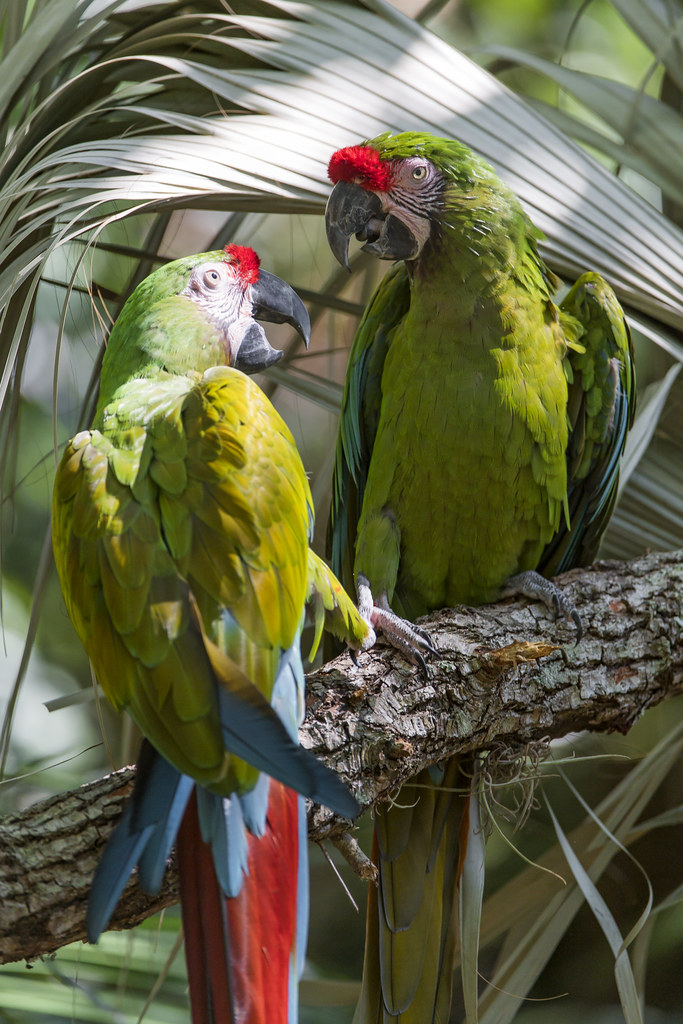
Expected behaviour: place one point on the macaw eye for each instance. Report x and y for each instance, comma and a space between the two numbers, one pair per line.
419, 173
211, 278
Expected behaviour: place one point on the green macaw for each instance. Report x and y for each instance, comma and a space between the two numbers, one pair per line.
181, 526
478, 452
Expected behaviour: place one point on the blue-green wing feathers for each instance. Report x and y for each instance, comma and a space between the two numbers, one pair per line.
360, 412
601, 376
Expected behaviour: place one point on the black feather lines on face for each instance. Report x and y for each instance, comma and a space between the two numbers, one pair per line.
429, 202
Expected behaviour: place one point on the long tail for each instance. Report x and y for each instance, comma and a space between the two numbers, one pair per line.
244, 954
243, 863
207, 945
411, 925
244, 894
269, 919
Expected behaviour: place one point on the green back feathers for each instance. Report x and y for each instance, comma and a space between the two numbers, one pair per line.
180, 537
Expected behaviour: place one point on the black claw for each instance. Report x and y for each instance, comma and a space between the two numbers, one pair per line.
426, 639
353, 656
423, 665
576, 618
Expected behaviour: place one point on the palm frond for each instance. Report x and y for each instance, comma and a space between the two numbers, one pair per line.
114, 116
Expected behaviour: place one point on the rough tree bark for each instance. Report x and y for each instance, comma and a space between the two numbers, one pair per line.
507, 675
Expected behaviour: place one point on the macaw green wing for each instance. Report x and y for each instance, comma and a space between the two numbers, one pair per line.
360, 411
332, 607
601, 377
180, 535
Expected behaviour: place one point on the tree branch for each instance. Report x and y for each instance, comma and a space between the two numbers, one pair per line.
508, 675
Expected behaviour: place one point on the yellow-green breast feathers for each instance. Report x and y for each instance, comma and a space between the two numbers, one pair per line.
481, 422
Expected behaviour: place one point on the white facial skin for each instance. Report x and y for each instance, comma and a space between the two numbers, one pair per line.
226, 300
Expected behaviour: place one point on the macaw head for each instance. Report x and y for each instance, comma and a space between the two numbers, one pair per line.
233, 292
395, 192
198, 312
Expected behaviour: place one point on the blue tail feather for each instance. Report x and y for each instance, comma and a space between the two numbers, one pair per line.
113, 871
222, 827
302, 900
255, 806
267, 738
144, 837
152, 863
287, 697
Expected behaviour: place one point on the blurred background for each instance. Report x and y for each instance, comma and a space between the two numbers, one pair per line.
134, 132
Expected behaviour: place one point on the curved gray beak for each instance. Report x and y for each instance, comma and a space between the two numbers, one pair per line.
255, 352
353, 210
349, 209
275, 302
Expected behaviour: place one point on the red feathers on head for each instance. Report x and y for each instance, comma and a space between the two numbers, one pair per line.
361, 164
246, 260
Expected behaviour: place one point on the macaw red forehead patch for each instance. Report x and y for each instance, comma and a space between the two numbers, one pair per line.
247, 262
361, 164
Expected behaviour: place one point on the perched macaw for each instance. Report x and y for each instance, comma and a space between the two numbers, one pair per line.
481, 431
181, 525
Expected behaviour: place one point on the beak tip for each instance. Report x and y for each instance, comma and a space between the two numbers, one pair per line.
349, 208
343, 257
303, 326
339, 243
275, 301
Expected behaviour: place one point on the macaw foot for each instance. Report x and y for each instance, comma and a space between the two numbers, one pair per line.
533, 585
407, 638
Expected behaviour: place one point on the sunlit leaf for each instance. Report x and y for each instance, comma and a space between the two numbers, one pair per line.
471, 894
647, 128
622, 966
658, 24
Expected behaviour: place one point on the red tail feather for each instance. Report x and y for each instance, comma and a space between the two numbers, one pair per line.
241, 952
263, 918
204, 925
